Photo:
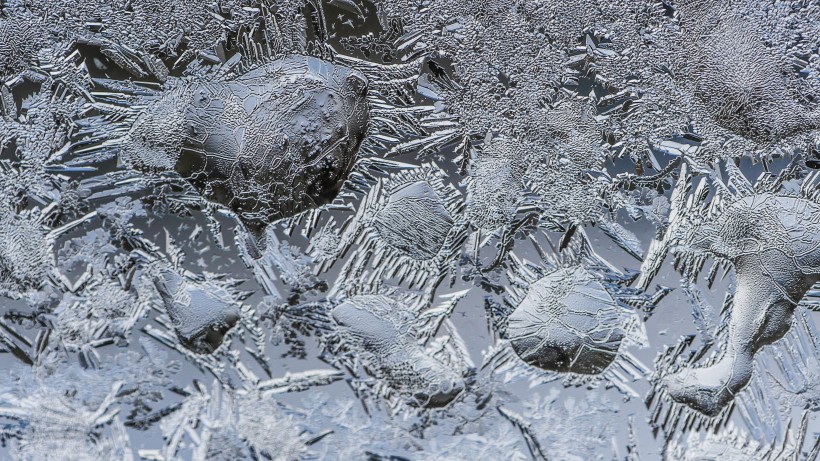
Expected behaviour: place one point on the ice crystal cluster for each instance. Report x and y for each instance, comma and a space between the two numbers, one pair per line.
395, 230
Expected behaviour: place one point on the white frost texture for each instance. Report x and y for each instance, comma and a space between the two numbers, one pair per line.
409, 230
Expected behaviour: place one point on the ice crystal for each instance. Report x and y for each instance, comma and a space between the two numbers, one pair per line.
395, 229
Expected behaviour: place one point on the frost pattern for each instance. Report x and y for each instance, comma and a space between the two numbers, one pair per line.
394, 229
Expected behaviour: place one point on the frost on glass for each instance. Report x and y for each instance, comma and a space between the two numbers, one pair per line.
409, 230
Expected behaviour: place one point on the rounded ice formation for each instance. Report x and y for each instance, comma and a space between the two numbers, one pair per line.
737, 78
201, 313
373, 325
268, 144
415, 221
567, 322
774, 244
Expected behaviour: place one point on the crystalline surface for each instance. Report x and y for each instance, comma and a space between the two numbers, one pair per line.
566, 322
409, 230
398, 222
